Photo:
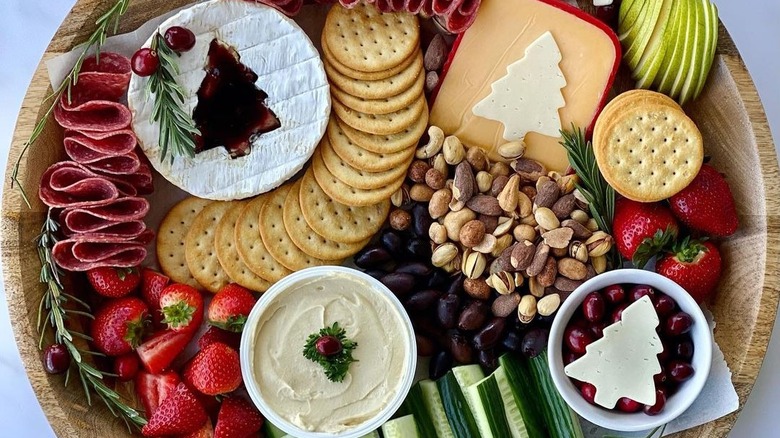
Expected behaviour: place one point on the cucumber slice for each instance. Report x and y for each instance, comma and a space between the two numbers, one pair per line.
374, 434
435, 408
415, 404
489, 408
524, 393
403, 427
457, 409
468, 375
272, 431
562, 422
514, 417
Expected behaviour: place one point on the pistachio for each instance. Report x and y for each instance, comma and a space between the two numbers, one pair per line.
453, 266
439, 204
546, 218
421, 192
599, 264
524, 205
526, 310
444, 254
500, 168
512, 149
499, 182
502, 243
572, 269
519, 279
504, 225
477, 158
453, 150
437, 233
579, 216
484, 181
563, 206
550, 270
441, 165
529, 170
524, 232
547, 192
539, 260
535, 288
592, 225
455, 220
434, 145
487, 245
504, 305
568, 183
522, 255
564, 284
578, 251
599, 244
464, 185
548, 304
503, 282
417, 171
558, 238
508, 197
582, 201
435, 179
471, 233
579, 230
477, 288
401, 196
484, 204
474, 264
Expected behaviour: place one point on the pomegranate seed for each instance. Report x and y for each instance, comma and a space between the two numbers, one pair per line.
126, 366
660, 402
614, 294
588, 392
328, 346
56, 359
639, 291
683, 349
179, 39
664, 305
145, 62
593, 307
678, 323
577, 339
679, 371
618, 312
625, 404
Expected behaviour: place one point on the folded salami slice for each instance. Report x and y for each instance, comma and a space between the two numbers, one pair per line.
444, 7
113, 252
349, 4
86, 146
469, 7
460, 19
105, 79
95, 115
416, 6
384, 6
140, 181
82, 219
69, 184
110, 230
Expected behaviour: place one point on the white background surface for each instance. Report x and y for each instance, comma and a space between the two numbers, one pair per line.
26, 26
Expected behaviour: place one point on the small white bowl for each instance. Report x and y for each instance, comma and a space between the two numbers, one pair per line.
246, 353
679, 401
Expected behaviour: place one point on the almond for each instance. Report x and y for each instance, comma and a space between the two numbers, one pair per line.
464, 186
484, 204
522, 255
550, 270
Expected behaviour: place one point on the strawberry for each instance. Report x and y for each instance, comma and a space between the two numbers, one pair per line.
119, 326
230, 307
214, 370
181, 307
152, 389
237, 418
113, 282
694, 265
152, 285
216, 334
126, 367
206, 431
159, 351
707, 204
180, 413
641, 230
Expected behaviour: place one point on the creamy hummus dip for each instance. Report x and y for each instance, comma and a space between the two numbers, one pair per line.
296, 388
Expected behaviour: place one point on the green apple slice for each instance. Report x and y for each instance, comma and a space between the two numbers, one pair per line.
651, 59
673, 57
646, 28
713, 45
698, 51
631, 25
628, 14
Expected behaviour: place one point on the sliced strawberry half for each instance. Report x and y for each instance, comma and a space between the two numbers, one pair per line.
179, 414
152, 389
160, 350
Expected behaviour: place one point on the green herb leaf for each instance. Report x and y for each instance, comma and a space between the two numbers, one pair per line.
662, 240
337, 365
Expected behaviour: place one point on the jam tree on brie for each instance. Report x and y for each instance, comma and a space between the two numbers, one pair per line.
231, 109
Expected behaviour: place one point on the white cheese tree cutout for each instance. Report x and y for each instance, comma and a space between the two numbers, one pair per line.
527, 99
624, 361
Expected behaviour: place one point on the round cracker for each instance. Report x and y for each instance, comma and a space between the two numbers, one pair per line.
365, 39
379, 89
277, 239
227, 252
170, 239
381, 124
356, 177
199, 248
250, 245
336, 221
382, 144
362, 158
649, 152
381, 106
614, 108
362, 75
346, 194
307, 239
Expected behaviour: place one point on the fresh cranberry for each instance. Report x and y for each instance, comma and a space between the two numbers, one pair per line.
569, 357
660, 402
179, 39
683, 349
663, 356
597, 329
625, 404
664, 305
328, 346
660, 378
56, 359
679, 371
593, 307
588, 392
614, 294
678, 323
639, 291
577, 338
617, 313
126, 366
145, 62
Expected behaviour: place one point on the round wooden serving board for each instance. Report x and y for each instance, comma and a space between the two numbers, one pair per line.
729, 114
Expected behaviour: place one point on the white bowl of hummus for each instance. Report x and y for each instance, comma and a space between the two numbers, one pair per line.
293, 392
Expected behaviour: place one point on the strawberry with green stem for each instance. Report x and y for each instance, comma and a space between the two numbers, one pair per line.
120, 325
695, 265
181, 307
642, 230
230, 307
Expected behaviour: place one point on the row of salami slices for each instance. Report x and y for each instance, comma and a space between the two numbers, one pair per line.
99, 192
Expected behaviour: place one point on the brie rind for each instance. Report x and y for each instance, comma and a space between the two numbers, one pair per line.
289, 69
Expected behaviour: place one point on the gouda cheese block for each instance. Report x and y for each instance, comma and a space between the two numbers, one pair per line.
590, 56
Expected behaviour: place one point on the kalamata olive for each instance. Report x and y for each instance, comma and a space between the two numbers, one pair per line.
393, 243
473, 315
441, 362
683, 349
512, 341
534, 342
660, 402
614, 294
376, 273
422, 300
677, 324
399, 284
625, 404
418, 269
679, 371
488, 359
447, 310
588, 392
490, 334
617, 312
456, 286
597, 329
419, 248
372, 257
461, 349
577, 338
437, 280
639, 291
56, 359
569, 357
425, 346
593, 307
664, 305
421, 220
430, 328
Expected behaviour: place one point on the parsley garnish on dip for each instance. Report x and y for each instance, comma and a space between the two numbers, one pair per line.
331, 349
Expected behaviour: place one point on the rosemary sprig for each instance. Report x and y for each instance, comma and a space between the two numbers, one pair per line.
177, 129
52, 310
336, 365
109, 20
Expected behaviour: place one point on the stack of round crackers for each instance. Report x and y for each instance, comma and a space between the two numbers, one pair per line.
646, 147
375, 67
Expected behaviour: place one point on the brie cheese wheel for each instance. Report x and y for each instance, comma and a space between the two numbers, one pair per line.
289, 70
